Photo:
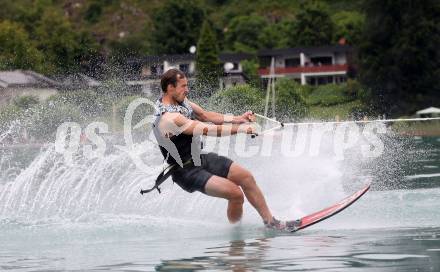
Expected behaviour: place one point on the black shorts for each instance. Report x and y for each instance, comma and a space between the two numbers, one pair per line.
194, 178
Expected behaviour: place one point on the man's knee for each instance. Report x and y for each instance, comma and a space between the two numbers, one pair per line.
243, 178
236, 195
248, 180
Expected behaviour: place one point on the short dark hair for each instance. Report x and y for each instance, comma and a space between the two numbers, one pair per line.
170, 77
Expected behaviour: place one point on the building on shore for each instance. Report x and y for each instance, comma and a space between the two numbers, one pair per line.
428, 112
149, 69
77, 81
18, 83
22, 83
307, 65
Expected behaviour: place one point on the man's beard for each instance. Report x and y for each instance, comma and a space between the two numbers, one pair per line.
180, 99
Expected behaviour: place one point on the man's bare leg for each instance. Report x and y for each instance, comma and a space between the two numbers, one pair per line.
224, 188
246, 181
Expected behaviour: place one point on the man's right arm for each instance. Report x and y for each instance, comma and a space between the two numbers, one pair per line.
220, 119
176, 123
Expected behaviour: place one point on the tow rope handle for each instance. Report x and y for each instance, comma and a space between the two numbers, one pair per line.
253, 135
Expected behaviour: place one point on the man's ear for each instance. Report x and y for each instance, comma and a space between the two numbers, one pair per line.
170, 87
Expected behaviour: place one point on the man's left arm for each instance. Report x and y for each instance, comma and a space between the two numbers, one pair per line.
218, 118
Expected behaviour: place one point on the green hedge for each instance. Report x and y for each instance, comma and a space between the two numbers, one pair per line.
237, 99
89, 102
330, 94
9, 114
290, 103
140, 113
333, 94
43, 120
26, 101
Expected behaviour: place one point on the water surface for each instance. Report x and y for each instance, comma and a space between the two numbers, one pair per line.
90, 215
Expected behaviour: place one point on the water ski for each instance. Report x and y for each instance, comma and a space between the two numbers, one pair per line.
316, 217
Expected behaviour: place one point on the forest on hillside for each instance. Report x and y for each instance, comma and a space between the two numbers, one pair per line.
74, 34
396, 41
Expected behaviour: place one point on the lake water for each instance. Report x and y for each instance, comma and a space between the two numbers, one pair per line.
90, 215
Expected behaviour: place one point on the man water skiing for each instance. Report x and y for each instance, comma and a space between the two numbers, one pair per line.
178, 126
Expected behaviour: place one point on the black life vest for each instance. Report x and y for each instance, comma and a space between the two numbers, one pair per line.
179, 148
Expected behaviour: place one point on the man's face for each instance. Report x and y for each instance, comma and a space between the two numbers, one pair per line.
180, 92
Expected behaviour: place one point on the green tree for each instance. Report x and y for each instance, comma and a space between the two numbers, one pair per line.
207, 61
87, 52
349, 25
176, 26
399, 57
10, 10
250, 69
275, 35
313, 27
64, 47
242, 33
134, 45
17, 51
28, 12
94, 11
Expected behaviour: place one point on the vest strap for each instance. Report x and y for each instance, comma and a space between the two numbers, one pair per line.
165, 174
